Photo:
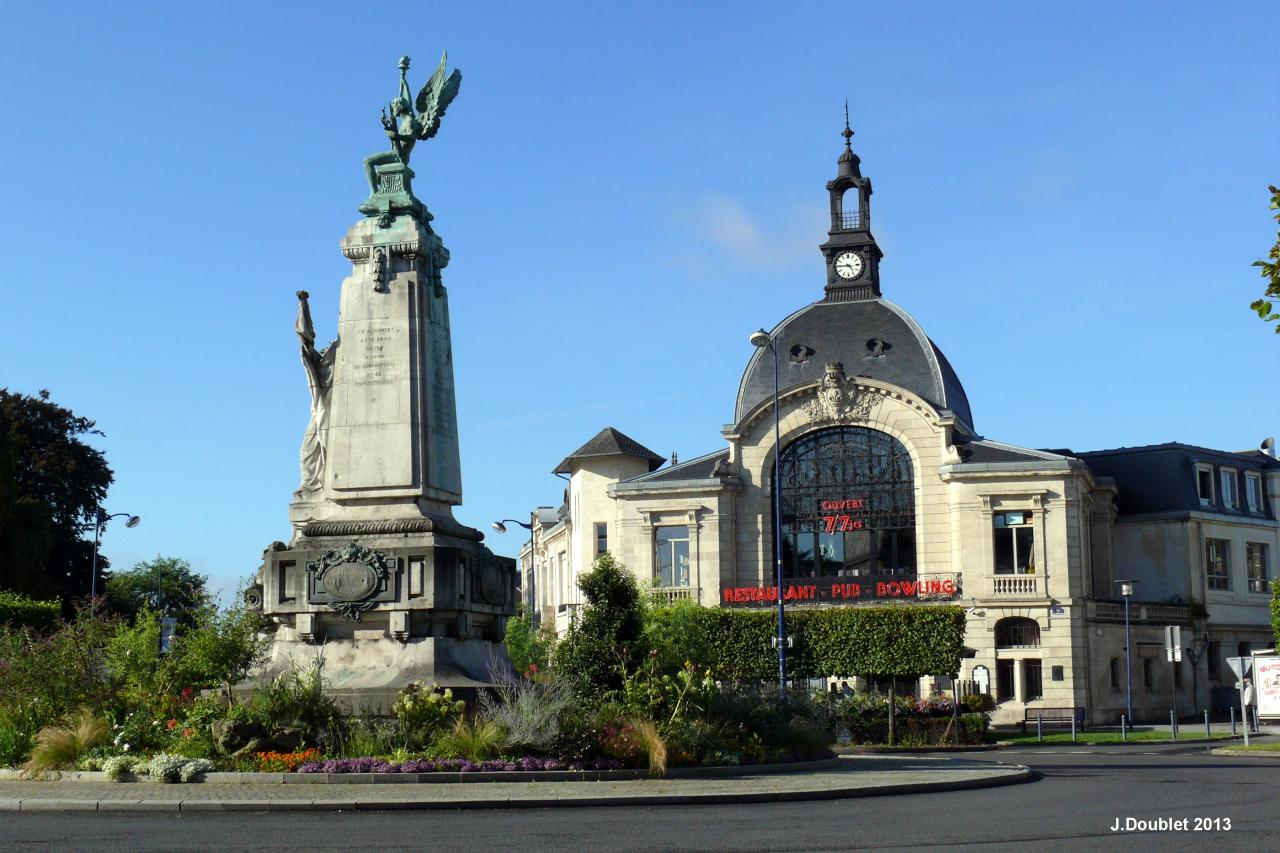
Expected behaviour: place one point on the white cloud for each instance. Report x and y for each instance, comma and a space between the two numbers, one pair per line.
719, 225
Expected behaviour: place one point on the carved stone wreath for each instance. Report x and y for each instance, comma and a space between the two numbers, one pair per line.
351, 575
838, 397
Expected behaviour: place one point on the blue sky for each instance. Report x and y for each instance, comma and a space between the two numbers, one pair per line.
1069, 200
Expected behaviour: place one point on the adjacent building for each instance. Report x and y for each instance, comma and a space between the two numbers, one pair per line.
885, 491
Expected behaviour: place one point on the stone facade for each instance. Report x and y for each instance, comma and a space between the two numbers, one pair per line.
1044, 616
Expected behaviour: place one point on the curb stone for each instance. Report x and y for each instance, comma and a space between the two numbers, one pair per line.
1022, 774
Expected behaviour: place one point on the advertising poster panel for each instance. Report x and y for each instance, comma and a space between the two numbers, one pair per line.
1266, 685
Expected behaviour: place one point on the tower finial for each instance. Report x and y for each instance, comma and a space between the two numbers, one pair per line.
847, 133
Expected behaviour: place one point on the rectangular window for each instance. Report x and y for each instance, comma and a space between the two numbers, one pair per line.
602, 537
1214, 660
1148, 677
1255, 559
1217, 563
1230, 498
1014, 543
1253, 491
1204, 484
671, 555
1058, 674
1115, 673
1032, 680
1004, 680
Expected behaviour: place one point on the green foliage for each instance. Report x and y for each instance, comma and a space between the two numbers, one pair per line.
113, 668
880, 641
59, 747
474, 740
166, 585
605, 640
1275, 610
296, 699
51, 483
370, 736
1270, 270
426, 712
528, 710
528, 648
19, 611
679, 632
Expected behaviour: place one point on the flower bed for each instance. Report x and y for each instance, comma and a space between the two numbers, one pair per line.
516, 765
452, 765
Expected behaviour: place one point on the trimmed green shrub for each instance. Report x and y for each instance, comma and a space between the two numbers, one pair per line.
905, 640
605, 641
18, 611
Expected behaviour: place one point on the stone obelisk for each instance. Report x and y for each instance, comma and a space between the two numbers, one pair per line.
378, 572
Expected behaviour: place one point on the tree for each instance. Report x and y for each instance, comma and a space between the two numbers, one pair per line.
51, 484
1275, 610
529, 648
166, 585
606, 640
1270, 272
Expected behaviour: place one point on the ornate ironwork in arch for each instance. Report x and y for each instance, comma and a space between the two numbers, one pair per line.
848, 505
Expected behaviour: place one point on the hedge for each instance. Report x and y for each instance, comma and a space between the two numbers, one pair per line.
868, 641
18, 611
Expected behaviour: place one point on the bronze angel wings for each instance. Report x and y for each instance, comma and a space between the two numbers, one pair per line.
434, 98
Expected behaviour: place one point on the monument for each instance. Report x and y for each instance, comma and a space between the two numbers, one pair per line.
378, 576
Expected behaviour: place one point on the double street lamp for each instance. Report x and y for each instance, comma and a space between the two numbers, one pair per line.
762, 339
1126, 591
501, 527
101, 517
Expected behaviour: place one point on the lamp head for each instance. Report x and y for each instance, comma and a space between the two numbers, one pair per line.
760, 339
134, 521
499, 526
1126, 587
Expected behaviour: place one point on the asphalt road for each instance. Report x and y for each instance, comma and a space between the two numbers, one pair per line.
1082, 794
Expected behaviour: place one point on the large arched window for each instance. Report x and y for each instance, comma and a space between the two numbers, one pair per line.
1017, 632
848, 505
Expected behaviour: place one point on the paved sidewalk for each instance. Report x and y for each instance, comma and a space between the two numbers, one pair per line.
853, 776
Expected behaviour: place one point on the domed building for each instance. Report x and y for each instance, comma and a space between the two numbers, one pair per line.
885, 492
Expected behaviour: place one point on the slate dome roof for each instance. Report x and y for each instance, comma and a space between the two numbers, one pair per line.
871, 337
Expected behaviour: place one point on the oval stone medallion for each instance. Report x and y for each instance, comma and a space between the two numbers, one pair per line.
350, 581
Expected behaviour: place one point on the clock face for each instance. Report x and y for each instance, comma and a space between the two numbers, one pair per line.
849, 265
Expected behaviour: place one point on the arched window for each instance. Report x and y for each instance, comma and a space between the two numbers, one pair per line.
1017, 632
848, 505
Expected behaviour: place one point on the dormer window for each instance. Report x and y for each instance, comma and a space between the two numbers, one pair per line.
1204, 484
1253, 491
1230, 493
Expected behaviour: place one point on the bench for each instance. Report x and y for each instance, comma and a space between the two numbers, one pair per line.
1053, 716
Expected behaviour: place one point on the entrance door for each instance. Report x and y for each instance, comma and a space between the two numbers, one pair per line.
1004, 680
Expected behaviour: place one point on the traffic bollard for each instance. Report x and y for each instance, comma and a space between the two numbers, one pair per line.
1173, 725
1124, 731
1233, 721
1040, 728
1207, 732
1073, 725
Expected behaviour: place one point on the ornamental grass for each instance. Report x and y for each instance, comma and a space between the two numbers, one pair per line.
59, 747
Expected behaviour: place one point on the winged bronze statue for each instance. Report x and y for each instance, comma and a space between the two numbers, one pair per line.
404, 126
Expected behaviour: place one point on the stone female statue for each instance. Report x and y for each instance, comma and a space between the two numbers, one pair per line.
319, 367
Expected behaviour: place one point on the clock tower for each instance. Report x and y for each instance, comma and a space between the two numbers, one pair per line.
853, 258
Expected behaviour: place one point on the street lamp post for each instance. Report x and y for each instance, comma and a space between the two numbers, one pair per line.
762, 339
100, 521
1126, 590
530, 594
